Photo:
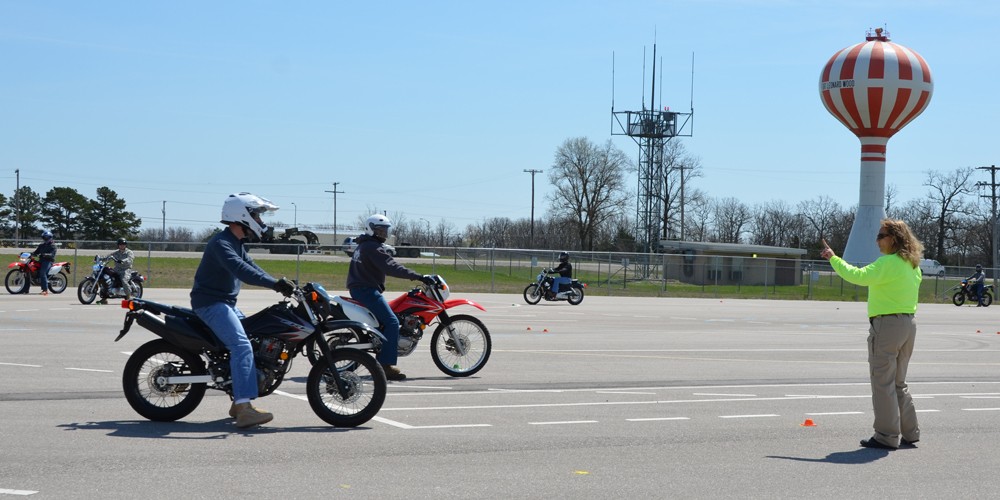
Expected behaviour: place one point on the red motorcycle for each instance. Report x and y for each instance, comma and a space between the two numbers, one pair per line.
24, 273
460, 345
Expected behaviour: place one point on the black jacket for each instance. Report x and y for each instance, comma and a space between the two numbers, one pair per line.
46, 252
371, 263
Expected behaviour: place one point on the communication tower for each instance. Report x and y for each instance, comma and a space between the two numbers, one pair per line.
651, 128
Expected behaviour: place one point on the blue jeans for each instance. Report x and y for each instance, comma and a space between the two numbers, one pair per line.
559, 280
43, 274
980, 291
224, 320
372, 299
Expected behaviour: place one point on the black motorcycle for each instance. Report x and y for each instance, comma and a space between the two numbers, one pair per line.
101, 283
165, 379
967, 292
542, 289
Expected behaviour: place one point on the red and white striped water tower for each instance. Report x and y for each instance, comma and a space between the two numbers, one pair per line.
874, 88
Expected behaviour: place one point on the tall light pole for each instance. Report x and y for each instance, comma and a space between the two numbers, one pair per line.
335, 209
17, 208
295, 220
163, 233
532, 172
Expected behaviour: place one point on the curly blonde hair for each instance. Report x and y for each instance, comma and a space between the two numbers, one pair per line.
904, 242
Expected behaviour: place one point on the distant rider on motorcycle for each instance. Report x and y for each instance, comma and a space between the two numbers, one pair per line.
370, 264
565, 270
46, 253
978, 280
223, 266
122, 271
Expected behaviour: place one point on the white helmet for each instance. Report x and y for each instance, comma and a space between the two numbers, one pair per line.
245, 209
375, 222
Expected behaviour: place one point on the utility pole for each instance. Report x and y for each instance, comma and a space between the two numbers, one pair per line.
295, 218
163, 234
17, 208
335, 239
532, 172
994, 229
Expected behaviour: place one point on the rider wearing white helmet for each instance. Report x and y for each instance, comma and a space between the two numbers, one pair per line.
370, 264
223, 266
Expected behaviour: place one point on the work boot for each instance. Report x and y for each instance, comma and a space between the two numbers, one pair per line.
248, 416
102, 301
393, 373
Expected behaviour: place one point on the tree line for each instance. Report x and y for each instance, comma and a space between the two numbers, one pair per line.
68, 214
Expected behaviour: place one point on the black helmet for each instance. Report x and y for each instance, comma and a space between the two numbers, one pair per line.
563, 257
979, 267
121, 241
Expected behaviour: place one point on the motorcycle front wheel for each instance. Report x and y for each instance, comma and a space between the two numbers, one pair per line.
87, 291
57, 283
144, 389
16, 281
136, 290
532, 294
958, 299
365, 388
575, 296
470, 336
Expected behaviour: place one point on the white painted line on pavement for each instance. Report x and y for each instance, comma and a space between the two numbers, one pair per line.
4, 491
750, 416
723, 395
90, 370
656, 419
836, 413
408, 386
979, 397
19, 364
564, 422
624, 392
928, 411
980, 409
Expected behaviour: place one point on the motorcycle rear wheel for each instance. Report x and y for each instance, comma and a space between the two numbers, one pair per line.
16, 281
958, 299
87, 291
475, 338
987, 299
532, 294
152, 399
57, 283
576, 296
366, 388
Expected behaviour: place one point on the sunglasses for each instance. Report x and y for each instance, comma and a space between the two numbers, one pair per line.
882, 235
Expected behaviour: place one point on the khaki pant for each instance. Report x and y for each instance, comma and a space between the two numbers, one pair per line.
890, 344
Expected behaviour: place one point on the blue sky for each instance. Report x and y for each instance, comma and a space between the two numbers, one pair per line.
434, 109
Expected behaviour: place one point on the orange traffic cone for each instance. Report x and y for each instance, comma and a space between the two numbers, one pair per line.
808, 423
545, 330
529, 328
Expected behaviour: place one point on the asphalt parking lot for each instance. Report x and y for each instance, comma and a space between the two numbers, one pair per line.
617, 397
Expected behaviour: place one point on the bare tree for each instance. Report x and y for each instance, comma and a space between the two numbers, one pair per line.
731, 217
947, 192
679, 168
589, 185
824, 216
775, 224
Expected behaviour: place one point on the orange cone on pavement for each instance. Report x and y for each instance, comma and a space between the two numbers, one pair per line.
808, 423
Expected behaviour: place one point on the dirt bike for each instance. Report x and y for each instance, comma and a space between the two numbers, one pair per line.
24, 273
101, 283
165, 379
967, 292
541, 288
460, 345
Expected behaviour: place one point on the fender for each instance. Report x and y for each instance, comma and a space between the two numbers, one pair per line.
14, 264
375, 338
448, 304
177, 331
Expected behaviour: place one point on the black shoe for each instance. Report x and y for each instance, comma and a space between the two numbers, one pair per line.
872, 443
905, 443
393, 373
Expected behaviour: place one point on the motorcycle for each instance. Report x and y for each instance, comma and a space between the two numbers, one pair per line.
541, 288
460, 345
101, 283
967, 292
165, 379
24, 273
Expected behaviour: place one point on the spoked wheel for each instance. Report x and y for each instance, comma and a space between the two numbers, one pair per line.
57, 283
136, 289
575, 296
532, 294
87, 291
145, 388
987, 299
464, 353
364, 393
16, 281
958, 299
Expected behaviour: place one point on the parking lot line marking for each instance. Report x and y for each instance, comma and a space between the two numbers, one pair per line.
928, 411
980, 409
564, 422
724, 395
4, 491
979, 397
624, 392
656, 419
19, 364
90, 370
750, 416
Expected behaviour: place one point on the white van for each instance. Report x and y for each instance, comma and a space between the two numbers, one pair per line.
931, 267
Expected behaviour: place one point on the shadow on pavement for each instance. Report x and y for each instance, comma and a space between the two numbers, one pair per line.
216, 429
